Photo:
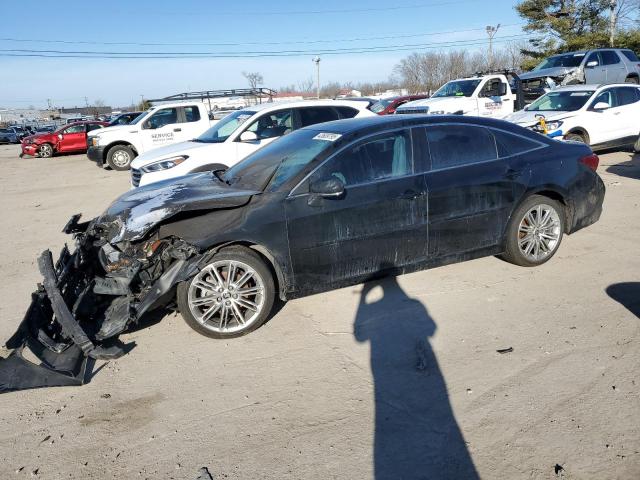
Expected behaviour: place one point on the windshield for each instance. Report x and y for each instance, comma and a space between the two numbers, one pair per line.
561, 101
278, 161
568, 60
225, 127
457, 88
380, 105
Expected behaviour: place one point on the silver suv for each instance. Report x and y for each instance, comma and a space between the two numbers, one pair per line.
594, 67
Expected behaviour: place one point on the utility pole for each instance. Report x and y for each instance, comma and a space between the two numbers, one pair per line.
316, 60
141, 102
491, 31
612, 21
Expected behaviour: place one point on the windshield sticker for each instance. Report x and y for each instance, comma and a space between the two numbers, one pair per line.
329, 137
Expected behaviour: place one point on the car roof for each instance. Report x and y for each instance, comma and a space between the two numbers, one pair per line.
304, 103
386, 122
583, 87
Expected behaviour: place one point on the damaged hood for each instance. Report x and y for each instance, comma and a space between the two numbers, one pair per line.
135, 213
548, 72
526, 118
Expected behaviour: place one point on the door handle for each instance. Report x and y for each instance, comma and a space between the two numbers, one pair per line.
409, 195
512, 174
177, 129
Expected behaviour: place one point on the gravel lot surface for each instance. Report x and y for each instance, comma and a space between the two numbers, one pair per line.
335, 385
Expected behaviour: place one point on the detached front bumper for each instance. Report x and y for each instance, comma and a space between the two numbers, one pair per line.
30, 149
52, 334
96, 154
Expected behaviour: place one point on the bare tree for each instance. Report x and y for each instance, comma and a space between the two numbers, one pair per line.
307, 85
254, 78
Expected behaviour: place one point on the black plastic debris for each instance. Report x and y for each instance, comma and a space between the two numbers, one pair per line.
505, 350
204, 474
558, 469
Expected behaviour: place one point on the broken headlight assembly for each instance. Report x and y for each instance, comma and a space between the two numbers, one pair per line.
164, 164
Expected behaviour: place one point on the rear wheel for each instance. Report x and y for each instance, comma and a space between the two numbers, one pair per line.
45, 150
534, 232
120, 157
230, 297
633, 80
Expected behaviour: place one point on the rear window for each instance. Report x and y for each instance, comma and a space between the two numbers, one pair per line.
347, 112
509, 144
455, 145
314, 115
630, 55
609, 57
192, 114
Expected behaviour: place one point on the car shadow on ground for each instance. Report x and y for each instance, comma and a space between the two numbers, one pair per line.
630, 169
416, 433
627, 294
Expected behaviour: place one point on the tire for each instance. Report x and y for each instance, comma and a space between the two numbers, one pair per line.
636, 147
45, 150
217, 315
120, 157
524, 224
633, 80
209, 168
576, 137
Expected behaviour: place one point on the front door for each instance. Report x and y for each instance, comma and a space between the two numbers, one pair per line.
162, 128
72, 138
471, 190
493, 100
594, 72
374, 226
266, 128
605, 125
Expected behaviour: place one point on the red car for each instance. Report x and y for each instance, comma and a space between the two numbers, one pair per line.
68, 138
387, 106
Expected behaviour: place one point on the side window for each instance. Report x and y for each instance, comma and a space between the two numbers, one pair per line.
630, 55
313, 115
509, 144
74, 129
454, 145
594, 57
271, 125
162, 117
627, 95
607, 97
192, 114
384, 156
491, 88
347, 112
93, 126
609, 57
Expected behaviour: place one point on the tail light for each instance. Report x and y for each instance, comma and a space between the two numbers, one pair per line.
592, 161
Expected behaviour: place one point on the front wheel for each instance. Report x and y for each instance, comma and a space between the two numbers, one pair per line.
534, 232
576, 137
230, 297
45, 150
636, 147
120, 157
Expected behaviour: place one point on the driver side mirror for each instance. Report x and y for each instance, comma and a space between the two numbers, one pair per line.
591, 64
148, 125
247, 136
329, 187
60, 136
601, 106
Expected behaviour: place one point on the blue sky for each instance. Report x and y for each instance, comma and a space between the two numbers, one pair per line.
258, 25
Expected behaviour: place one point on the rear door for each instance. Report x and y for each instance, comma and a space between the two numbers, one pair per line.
191, 123
628, 99
72, 138
616, 72
374, 226
596, 73
471, 190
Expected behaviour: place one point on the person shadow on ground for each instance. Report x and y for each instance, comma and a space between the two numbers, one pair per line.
416, 433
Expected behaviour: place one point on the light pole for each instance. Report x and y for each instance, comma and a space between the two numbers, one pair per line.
491, 31
316, 60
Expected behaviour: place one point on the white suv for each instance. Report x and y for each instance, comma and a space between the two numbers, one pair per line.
237, 135
602, 116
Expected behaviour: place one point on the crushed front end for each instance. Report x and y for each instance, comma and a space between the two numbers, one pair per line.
87, 298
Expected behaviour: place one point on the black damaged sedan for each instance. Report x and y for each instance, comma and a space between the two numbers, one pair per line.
324, 207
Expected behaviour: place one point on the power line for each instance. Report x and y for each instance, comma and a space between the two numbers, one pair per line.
215, 44
245, 54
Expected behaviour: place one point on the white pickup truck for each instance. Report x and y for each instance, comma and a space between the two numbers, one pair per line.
161, 125
483, 96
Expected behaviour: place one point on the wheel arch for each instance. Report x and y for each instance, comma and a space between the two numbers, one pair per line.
580, 131
557, 195
116, 143
633, 75
268, 258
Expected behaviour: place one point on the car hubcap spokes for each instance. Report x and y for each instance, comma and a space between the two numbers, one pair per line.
539, 232
121, 158
45, 150
226, 296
